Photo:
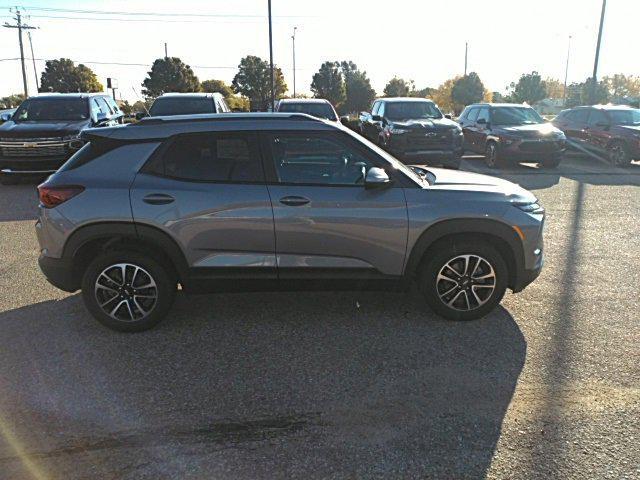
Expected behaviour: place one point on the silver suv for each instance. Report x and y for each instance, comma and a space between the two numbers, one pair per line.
274, 201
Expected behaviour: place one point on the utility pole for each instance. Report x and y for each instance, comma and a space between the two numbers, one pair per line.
566, 73
165, 50
594, 78
466, 47
293, 38
273, 97
21, 26
33, 59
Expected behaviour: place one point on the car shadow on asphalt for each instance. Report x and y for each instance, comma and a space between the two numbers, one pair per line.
374, 382
18, 202
577, 167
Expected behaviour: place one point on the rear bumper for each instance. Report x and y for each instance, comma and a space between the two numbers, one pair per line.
59, 272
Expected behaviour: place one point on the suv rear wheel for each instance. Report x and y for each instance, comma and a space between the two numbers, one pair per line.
127, 291
619, 154
492, 156
464, 281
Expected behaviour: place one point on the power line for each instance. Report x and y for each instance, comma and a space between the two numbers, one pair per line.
137, 20
152, 14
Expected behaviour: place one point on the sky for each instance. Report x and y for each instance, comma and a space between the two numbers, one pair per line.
418, 40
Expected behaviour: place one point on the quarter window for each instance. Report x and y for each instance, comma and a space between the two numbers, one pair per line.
317, 159
212, 157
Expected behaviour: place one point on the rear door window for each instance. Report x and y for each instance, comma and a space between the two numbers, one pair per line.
211, 157
483, 113
597, 117
579, 116
472, 116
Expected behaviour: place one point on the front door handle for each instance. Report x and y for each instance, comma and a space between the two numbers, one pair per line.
158, 199
294, 201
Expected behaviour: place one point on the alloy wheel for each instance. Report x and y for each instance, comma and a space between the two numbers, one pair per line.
466, 282
126, 292
491, 154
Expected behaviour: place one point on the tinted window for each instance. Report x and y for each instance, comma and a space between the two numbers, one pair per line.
181, 106
597, 116
63, 109
212, 157
317, 159
483, 113
320, 110
104, 106
472, 116
578, 116
112, 103
625, 117
412, 110
515, 116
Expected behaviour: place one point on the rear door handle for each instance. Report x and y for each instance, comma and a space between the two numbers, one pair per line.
294, 201
158, 199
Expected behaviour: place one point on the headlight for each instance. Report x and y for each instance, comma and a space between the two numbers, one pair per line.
529, 207
397, 131
75, 136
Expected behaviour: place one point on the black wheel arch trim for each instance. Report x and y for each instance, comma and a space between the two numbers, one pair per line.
470, 226
118, 231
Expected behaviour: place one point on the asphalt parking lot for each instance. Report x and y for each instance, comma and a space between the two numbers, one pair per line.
340, 385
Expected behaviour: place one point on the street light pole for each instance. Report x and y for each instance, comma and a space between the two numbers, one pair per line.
293, 39
273, 97
594, 78
466, 47
566, 73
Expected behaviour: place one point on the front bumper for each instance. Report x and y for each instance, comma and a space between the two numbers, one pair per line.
30, 165
533, 149
59, 272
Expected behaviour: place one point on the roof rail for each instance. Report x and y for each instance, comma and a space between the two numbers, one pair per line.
221, 117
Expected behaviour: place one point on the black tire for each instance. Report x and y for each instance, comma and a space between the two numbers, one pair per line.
551, 162
619, 154
453, 164
164, 289
492, 157
432, 288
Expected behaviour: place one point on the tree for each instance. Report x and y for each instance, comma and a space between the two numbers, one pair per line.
398, 87
254, 82
140, 106
12, 101
498, 97
126, 107
466, 90
358, 90
426, 92
555, 88
586, 93
530, 89
328, 83
443, 98
217, 86
169, 74
620, 86
64, 76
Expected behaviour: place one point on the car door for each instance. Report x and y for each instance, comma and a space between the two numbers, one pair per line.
576, 125
207, 191
597, 131
469, 128
483, 129
327, 223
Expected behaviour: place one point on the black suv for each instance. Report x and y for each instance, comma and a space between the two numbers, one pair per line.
506, 131
45, 131
413, 130
169, 104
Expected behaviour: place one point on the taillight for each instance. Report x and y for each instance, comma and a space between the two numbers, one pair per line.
53, 195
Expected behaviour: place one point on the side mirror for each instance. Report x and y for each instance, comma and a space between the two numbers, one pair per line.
376, 118
5, 117
344, 120
141, 115
101, 119
447, 115
376, 177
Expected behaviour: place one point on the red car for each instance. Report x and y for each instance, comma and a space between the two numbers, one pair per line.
609, 130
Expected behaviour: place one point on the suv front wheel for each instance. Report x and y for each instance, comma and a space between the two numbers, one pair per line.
464, 281
127, 291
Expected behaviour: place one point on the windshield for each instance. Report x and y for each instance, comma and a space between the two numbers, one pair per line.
515, 116
411, 110
625, 117
395, 163
59, 109
320, 110
181, 106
